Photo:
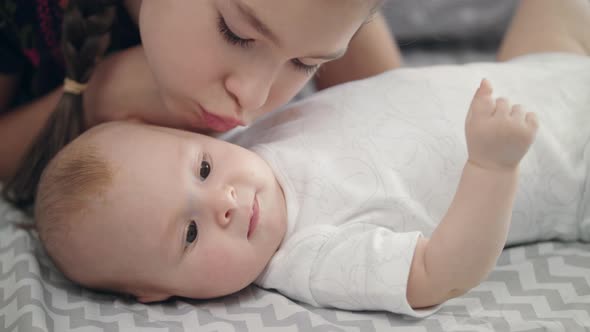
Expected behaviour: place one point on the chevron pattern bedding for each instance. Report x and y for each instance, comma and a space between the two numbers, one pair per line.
536, 287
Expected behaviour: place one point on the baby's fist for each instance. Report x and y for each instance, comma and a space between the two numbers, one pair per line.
498, 134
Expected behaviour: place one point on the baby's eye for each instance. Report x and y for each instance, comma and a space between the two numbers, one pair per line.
205, 169
191, 233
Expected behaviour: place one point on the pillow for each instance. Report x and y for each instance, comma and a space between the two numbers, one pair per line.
412, 20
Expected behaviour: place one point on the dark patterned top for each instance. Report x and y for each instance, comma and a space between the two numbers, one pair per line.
30, 33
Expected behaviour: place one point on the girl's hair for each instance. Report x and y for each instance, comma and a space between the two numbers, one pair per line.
85, 38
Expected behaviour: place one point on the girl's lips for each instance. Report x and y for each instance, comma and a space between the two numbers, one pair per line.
219, 123
254, 217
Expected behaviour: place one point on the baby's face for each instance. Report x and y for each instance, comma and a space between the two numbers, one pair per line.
186, 215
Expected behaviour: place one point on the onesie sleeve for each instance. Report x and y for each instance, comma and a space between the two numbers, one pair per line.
352, 267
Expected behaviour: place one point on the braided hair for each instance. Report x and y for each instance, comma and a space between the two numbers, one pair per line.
85, 38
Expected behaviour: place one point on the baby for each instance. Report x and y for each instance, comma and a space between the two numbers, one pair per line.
329, 206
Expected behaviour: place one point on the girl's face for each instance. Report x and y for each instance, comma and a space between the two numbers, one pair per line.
224, 63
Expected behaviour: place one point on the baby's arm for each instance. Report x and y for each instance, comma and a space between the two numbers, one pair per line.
464, 247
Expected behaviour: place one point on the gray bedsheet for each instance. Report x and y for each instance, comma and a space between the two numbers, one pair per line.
537, 287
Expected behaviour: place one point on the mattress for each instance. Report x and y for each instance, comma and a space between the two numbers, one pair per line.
536, 287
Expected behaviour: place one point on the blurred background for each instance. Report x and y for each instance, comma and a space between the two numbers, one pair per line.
448, 31
434, 32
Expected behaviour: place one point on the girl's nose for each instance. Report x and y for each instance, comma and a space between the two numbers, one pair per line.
224, 205
251, 86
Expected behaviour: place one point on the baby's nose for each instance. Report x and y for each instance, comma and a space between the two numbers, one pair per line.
225, 205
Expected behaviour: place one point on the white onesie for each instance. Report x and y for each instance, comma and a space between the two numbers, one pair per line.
369, 166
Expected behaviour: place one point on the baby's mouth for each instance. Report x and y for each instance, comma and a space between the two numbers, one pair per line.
254, 217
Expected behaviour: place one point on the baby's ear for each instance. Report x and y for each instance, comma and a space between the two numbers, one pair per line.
152, 297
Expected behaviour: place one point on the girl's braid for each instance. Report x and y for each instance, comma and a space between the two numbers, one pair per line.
85, 38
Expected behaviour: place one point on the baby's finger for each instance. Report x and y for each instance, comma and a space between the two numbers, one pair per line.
482, 100
502, 107
518, 113
485, 88
531, 120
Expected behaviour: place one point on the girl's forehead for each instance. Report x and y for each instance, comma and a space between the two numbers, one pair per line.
308, 7
314, 24
310, 10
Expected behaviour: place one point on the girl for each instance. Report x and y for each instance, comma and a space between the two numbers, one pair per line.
206, 65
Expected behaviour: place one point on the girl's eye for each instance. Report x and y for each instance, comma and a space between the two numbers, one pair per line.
230, 36
191, 233
234, 39
204, 170
307, 69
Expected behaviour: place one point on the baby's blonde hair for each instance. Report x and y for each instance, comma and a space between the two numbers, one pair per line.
72, 181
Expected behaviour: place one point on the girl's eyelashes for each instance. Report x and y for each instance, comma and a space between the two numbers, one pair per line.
234, 39
205, 168
192, 233
307, 69
230, 36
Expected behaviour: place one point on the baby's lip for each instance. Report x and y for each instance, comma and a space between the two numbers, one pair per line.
254, 216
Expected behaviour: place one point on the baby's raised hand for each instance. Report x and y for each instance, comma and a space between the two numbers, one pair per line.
498, 134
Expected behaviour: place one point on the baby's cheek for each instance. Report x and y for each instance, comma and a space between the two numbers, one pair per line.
223, 261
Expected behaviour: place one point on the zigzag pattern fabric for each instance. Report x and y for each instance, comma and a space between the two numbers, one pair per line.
537, 287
